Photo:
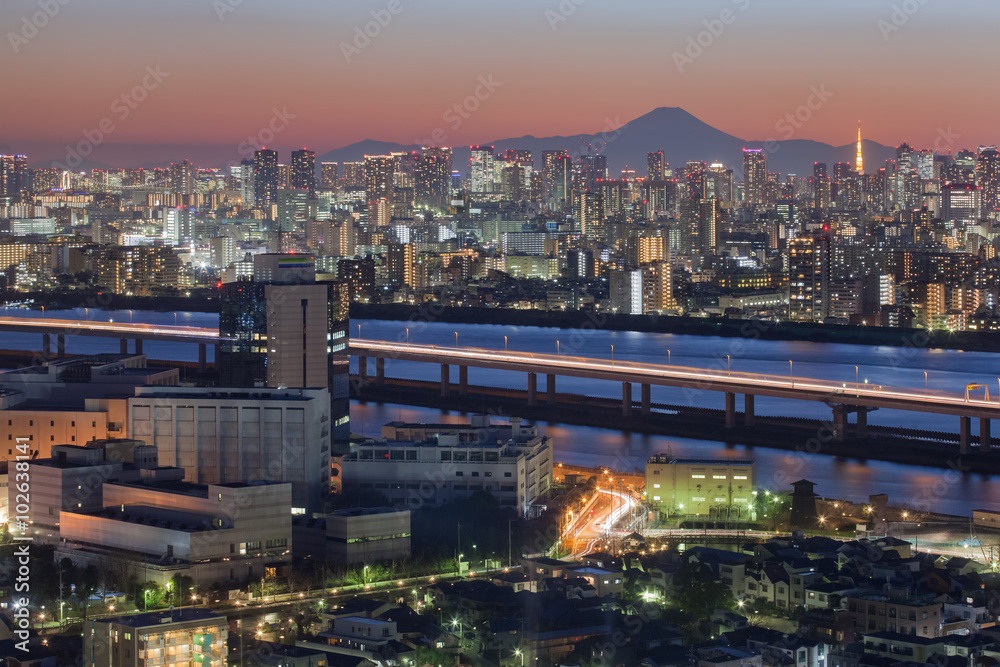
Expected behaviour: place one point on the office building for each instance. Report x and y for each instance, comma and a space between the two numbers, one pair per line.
368, 534
220, 436
185, 636
722, 489
223, 251
288, 331
656, 166
418, 464
557, 171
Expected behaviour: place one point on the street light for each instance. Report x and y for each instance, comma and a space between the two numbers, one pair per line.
456, 340
790, 374
504, 343
727, 365
668, 357
359, 331
557, 347
519, 654
612, 355
407, 336
857, 383
925, 383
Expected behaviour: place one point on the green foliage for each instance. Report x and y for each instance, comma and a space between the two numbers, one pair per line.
698, 593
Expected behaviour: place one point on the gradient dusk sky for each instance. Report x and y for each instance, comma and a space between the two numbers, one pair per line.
227, 70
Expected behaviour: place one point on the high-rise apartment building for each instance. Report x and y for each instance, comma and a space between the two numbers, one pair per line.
557, 171
432, 176
656, 166
808, 278
754, 175
303, 171
329, 175
265, 177
13, 176
483, 166
988, 178
379, 170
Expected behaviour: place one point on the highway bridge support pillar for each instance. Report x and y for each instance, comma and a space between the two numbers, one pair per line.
445, 379
730, 410
862, 428
123, 346
985, 444
138, 346
646, 399
61, 346
626, 399
550, 388
532, 389
463, 379
380, 371
748, 409
363, 369
202, 357
963, 434
46, 346
839, 422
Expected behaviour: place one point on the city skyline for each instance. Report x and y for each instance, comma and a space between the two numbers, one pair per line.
691, 57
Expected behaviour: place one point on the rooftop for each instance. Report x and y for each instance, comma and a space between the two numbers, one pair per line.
157, 618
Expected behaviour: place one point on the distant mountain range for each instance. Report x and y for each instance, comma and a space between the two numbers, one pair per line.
681, 137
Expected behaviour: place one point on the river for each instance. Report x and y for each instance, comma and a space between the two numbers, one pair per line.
850, 479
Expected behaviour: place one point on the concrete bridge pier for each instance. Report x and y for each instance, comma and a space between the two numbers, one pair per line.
202, 357
862, 427
550, 388
839, 422
748, 416
730, 409
123, 346
646, 399
363, 369
445, 379
532, 389
380, 370
138, 346
985, 443
626, 399
463, 379
963, 434
61, 346
46, 346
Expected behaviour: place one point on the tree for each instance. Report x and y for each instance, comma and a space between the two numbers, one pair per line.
698, 593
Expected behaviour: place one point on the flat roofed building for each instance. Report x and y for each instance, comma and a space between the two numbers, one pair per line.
367, 534
697, 487
187, 636
240, 435
446, 462
216, 533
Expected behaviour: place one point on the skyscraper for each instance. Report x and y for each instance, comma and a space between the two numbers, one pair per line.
329, 172
288, 331
808, 278
246, 182
13, 176
481, 162
265, 177
557, 168
655, 166
303, 173
754, 175
182, 177
593, 168
379, 170
988, 177
432, 176
588, 212
859, 162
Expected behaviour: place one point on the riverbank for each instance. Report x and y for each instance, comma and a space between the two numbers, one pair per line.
977, 341
206, 301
